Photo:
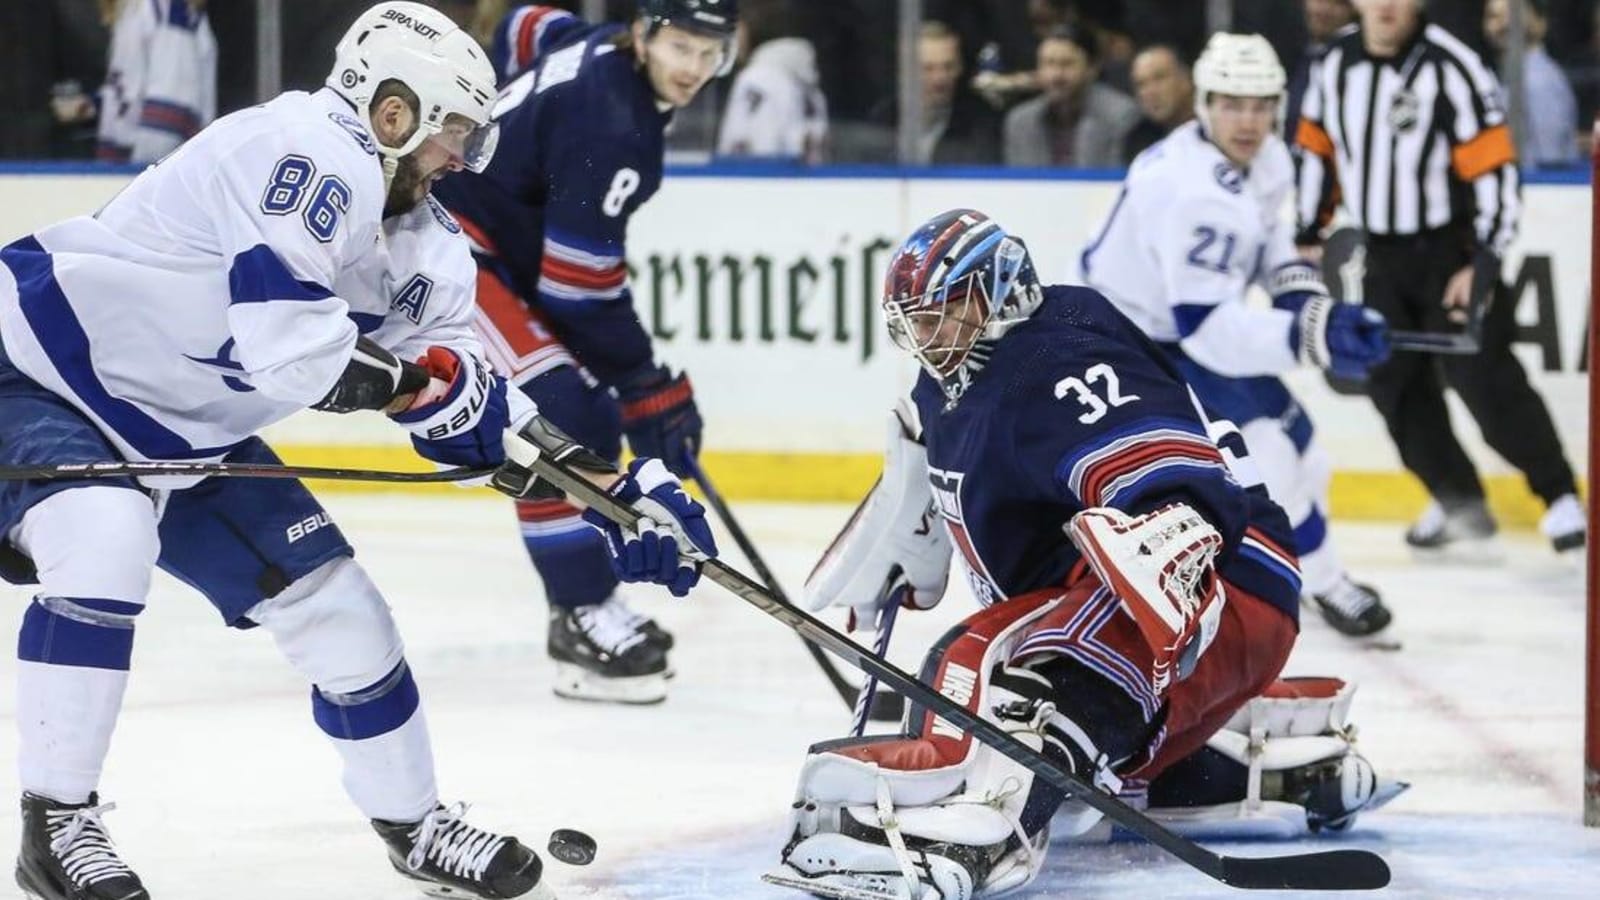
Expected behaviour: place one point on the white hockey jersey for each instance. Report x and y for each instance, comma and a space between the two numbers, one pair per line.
161, 80
1186, 238
224, 288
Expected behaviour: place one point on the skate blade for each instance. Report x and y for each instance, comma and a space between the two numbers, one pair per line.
788, 878
540, 891
577, 683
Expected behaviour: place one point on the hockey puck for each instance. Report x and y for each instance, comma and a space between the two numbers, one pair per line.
572, 847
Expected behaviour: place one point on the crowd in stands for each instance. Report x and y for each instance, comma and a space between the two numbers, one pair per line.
1035, 83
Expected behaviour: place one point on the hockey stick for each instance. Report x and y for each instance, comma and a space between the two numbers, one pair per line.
892, 707
893, 593
1324, 870
1485, 277
228, 470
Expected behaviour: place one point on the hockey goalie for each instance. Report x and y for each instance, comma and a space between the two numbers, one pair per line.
1139, 591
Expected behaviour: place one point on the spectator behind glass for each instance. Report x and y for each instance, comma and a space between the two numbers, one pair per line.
776, 108
957, 128
1324, 19
1075, 121
1550, 110
1165, 90
161, 82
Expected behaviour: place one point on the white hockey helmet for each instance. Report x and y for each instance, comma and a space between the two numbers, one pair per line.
1238, 65
421, 48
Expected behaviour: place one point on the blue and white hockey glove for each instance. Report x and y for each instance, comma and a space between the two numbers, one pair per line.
672, 537
460, 418
660, 418
1346, 339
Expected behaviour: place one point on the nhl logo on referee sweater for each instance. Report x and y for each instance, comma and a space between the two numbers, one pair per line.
1404, 111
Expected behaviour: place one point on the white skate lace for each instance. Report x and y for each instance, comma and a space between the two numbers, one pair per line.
618, 607
453, 845
610, 631
1349, 599
78, 838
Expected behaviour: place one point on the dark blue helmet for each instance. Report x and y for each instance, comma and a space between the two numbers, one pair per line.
713, 17
958, 279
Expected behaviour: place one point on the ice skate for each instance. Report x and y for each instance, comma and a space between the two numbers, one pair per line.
446, 857
601, 654
1565, 524
1355, 610
67, 854
1465, 534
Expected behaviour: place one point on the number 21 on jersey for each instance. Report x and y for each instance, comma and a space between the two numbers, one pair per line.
1094, 404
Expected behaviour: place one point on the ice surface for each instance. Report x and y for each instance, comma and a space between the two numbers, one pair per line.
226, 789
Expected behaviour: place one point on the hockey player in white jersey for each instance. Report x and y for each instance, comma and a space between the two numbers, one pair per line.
1196, 225
286, 257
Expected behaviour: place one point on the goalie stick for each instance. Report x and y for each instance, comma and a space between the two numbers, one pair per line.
885, 707
1323, 870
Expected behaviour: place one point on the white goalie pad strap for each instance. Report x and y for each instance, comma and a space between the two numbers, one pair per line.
895, 526
1279, 753
1321, 707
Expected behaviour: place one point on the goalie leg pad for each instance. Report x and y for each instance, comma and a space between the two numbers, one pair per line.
1285, 764
937, 811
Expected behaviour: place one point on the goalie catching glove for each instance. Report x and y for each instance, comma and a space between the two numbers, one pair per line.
895, 528
671, 538
1162, 566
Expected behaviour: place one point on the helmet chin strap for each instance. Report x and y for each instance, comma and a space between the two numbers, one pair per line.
391, 156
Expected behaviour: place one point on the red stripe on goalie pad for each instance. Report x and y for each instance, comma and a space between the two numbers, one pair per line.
1303, 688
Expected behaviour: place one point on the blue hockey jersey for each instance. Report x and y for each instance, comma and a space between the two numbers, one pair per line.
581, 148
1076, 408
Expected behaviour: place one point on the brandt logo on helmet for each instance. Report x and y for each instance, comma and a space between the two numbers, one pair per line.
422, 28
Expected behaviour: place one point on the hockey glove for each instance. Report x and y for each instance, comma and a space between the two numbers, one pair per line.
460, 417
1162, 567
1343, 338
372, 379
896, 528
672, 537
660, 418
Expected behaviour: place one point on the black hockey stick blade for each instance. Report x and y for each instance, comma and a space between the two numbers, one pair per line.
1462, 343
1352, 870
1342, 870
181, 469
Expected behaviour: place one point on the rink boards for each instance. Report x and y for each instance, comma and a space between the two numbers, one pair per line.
763, 285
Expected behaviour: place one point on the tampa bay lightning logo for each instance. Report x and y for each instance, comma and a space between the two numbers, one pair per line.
1229, 177
224, 362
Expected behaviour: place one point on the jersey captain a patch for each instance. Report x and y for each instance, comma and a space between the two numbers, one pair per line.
947, 500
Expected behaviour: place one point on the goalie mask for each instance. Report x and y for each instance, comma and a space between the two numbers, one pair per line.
958, 280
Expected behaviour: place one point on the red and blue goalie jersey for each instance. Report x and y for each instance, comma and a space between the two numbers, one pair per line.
581, 148
1076, 408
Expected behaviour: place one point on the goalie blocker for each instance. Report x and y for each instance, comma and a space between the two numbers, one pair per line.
1071, 672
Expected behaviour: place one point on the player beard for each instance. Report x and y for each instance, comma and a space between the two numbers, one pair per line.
406, 190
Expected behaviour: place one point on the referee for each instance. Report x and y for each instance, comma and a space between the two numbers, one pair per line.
1403, 125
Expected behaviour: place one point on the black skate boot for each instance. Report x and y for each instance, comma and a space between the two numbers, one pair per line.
1466, 533
67, 854
449, 858
1354, 610
603, 655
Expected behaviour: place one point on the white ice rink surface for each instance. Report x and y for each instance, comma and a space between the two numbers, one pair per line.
225, 789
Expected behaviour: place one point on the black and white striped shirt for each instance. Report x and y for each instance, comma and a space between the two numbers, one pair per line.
1407, 144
